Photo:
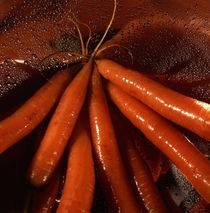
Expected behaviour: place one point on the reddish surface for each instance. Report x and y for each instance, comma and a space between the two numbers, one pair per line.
170, 41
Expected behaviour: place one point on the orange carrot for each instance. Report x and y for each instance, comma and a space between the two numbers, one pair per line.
167, 138
141, 174
32, 112
80, 177
185, 111
154, 158
107, 151
60, 128
156, 161
44, 199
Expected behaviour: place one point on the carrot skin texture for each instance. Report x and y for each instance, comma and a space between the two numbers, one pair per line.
44, 200
33, 111
185, 111
144, 182
80, 177
167, 138
106, 149
154, 158
141, 174
60, 128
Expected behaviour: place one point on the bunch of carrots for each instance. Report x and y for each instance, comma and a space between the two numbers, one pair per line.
92, 142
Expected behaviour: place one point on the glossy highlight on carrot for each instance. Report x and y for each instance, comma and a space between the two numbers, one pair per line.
80, 174
191, 162
60, 128
185, 111
154, 158
141, 175
33, 111
107, 151
44, 199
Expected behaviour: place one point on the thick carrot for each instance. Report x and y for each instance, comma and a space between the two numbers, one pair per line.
185, 111
167, 138
33, 111
80, 174
141, 175
107, 151
60, 128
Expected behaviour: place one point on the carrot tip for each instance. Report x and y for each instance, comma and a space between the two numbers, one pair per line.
38, 177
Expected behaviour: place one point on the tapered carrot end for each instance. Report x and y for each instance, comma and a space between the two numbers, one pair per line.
101, 64
105, 67
38, 176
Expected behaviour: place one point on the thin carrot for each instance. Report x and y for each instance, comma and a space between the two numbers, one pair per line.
141, 175
107, 151
44, 199
167, 138
80, 176
33, 111
156, 161
60, 128
185, 111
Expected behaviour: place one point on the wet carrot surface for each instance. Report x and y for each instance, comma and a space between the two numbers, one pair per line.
80, 174
44, 200
60, 128
140, 172
106, 148
169, 140
29, 115
185, 111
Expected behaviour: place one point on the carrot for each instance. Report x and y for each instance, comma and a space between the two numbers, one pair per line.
167, 138
60, 128
185, 111
80, 176
107, 151
141, 175
44, 200
32, 112
154, 158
